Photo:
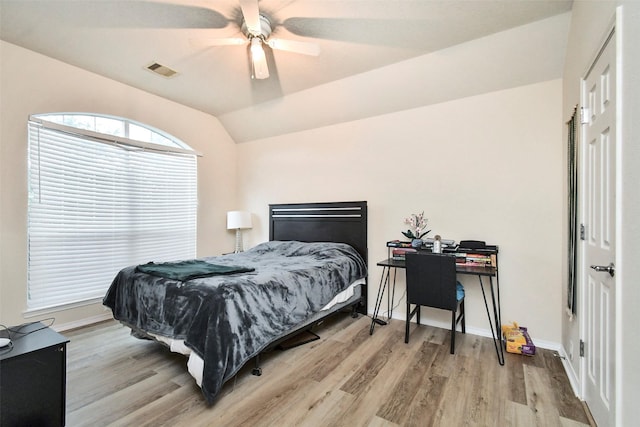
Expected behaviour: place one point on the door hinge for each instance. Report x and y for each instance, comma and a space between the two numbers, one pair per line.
584, 115
582, 232
581, 348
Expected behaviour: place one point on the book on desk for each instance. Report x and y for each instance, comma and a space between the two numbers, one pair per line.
400, 253
476, 256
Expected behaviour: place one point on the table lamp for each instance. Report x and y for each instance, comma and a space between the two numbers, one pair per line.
238, 220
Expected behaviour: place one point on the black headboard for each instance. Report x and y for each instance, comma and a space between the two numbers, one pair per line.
342, 222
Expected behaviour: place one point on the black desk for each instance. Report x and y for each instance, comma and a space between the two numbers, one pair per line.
480, 271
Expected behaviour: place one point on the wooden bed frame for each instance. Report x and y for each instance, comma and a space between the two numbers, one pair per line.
341, 222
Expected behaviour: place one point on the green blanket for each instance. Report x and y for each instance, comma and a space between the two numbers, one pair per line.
192, 269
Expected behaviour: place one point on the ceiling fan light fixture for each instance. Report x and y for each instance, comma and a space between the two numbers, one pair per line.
257, 31
258, 59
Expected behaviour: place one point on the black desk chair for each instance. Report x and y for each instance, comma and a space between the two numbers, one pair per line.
431, 282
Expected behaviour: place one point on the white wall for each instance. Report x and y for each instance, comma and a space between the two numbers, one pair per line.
487, 167
628, 374
590, 22
31, 83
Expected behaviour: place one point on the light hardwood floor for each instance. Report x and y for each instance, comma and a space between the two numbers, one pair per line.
347, 378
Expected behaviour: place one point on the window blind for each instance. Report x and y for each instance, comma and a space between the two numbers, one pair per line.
95, 208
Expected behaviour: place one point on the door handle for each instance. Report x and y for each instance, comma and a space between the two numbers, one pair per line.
609, 268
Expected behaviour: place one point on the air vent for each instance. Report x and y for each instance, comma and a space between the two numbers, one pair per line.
162, 70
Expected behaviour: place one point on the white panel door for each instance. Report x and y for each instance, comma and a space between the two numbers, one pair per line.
599, 154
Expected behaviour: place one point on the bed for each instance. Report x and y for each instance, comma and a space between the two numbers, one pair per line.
225, 311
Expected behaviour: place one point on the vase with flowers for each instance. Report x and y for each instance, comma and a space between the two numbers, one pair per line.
417, 229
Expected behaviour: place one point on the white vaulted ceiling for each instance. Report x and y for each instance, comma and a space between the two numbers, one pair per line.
376, 56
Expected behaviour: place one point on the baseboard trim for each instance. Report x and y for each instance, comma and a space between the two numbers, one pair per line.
82, 322
548, 345
574, 380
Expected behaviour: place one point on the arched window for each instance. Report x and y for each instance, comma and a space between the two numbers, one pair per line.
104, 193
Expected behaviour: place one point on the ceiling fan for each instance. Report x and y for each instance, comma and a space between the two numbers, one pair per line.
257, 31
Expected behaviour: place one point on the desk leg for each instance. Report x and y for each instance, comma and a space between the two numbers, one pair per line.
497, 315
393, 295
384, 281
495, 323
499, 307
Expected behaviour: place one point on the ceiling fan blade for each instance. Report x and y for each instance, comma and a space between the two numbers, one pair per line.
304, 48
207, 42
251, 14
258, 59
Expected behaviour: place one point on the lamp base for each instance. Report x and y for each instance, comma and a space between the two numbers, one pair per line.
238, 241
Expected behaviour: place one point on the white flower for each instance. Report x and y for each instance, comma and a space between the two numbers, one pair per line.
418, 224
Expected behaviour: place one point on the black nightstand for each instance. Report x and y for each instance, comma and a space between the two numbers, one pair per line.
33, 378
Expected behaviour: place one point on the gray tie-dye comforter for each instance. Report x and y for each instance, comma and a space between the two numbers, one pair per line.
227, 320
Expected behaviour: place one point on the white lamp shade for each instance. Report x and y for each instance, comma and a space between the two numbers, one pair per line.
238, 219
